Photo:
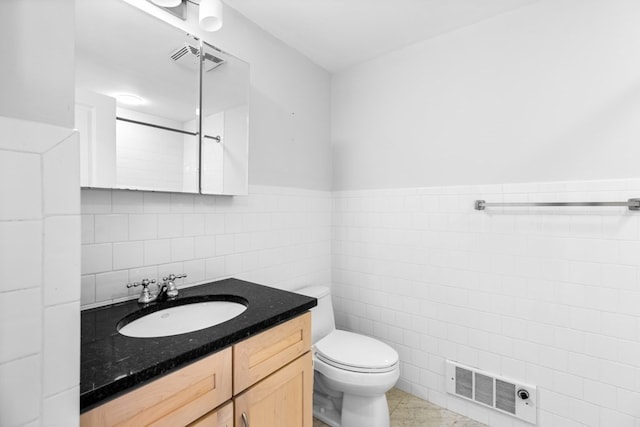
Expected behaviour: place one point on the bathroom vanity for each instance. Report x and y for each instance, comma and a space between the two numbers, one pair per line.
255, 369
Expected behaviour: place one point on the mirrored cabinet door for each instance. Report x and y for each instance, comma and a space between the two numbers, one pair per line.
138, 95
225, 123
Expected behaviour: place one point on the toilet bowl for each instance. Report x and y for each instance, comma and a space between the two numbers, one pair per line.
352, 372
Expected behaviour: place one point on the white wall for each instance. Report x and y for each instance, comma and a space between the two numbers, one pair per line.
542, 103
290, 119
275, 236
39, 217
38, 60
548, 297
546, 92
39, 274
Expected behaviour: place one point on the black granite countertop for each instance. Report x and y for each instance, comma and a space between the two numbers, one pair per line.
112, 364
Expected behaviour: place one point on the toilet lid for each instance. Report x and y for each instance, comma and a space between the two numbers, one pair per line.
356, 352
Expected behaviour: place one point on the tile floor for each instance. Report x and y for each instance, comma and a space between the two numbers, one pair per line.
410, 411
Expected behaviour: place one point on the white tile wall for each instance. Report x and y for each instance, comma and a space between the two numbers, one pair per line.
550, 296
275, 236
39, 274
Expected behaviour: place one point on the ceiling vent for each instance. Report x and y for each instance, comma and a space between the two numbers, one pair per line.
189, 55
501, 394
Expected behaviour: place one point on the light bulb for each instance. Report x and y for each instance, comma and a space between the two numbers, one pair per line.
210, 15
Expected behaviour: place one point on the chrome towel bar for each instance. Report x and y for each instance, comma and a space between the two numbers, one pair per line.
632, 204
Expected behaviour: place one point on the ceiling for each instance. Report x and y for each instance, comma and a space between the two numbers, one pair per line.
337, 34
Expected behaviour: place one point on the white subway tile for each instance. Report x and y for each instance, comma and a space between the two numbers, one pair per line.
233, 264
224, 244
196, 271
156, 202
20, 255
97, 258
611, 417
182, 249
21, 315
87, 224
127, 202
600, 394
62, 409
170, 225
194, 224
111, 228
214, 223
93, 201
143, 227
22, 201
61, 350
88, 289
214, 267
182, 203
111, 285
21, 390
157, 251
61, 178
233, 223
205, 246
62, 256
128, 255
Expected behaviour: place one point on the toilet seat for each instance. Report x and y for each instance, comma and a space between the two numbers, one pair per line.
356, 353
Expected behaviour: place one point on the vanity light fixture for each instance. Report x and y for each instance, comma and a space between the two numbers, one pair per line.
209, 13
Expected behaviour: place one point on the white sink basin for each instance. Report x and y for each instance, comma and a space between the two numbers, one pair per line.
182, 319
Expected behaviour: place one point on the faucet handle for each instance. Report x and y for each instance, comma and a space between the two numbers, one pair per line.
145, 295
144, 283
173, 277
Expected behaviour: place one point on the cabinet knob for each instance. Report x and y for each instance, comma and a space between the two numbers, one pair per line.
244, 420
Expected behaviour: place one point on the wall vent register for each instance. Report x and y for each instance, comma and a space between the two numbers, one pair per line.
499, 393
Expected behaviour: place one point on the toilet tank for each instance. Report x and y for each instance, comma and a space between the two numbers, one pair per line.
322, 320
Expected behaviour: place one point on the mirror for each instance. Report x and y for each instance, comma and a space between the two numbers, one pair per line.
138, 105
225, 112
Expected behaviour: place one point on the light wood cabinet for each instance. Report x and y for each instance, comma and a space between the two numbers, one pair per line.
176, 399
267, 377
257, 357
222, 417
283, 399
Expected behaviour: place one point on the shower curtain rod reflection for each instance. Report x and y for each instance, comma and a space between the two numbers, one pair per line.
185, 132
632, 204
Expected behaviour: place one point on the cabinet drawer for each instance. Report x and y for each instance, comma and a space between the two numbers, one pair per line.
175, 399
221, 417
265, 353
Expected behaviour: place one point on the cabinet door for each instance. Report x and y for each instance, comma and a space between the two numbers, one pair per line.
284, 399
221, 417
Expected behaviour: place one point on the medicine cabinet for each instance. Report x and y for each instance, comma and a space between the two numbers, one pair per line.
157, 109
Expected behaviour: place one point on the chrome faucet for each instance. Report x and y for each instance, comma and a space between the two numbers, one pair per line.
166, 290
145, 295
170, 282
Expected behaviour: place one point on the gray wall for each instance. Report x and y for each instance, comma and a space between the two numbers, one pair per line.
545, 93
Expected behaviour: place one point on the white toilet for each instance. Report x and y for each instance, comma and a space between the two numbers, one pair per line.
352, 372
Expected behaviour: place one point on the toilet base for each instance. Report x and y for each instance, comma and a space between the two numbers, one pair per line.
357, 411
371, 411
324, 406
